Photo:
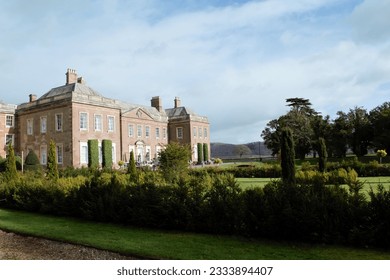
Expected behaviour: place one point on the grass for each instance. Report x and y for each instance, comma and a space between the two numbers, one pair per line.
155, 244
369, 182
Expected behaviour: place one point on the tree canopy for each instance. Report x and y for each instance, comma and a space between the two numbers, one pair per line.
357, 129
174, 160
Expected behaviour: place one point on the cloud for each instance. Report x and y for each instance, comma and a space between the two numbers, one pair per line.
370, 21
234, 62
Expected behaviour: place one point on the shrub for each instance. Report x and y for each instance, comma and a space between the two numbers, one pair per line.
200, 153
93, 153
10, 167
32, 162
107, 153
52, 167
205, 152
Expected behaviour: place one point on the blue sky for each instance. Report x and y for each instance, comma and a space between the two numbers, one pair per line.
233, 61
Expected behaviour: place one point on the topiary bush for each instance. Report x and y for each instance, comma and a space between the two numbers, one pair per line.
107, 153
93, 153
32, 162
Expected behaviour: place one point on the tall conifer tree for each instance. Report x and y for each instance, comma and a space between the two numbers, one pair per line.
52, 167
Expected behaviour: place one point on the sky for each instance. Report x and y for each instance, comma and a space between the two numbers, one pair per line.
235, 62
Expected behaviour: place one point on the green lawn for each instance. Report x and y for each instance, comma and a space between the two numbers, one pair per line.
368, 182
171, 245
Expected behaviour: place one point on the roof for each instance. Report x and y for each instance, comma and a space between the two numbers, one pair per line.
7, 108
183, 113
151, 111
76, 87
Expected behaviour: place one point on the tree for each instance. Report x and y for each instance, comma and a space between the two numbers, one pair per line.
359, 139
10, 168
300, 120
271, 136
381, 154
131, 168
287, 155
323, 155
339, 134
242, 150
52, 167
174, 161
380, 123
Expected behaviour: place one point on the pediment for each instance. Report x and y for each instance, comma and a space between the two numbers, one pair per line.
138, 113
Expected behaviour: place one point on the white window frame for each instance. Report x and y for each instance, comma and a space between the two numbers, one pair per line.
60, 153
59, 122
30, 126
139, 131
98, 122
83, 160
205, 132
131, 130
43, 124
12, 139
194, 131
111, 125
43, 154
83, 123
179, 132
147, 131
113, 150
10, 118
157, 133
200, 132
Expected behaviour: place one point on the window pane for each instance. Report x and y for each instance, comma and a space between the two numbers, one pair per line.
58, 122
98, 122
9, 120
111, 123
131, 130
83, 121
43, 124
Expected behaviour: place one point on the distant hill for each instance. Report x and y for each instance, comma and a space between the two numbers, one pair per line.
224, 150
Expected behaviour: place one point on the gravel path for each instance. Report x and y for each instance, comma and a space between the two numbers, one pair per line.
18, 247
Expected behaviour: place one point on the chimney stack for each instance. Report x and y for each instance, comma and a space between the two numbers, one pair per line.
71, 76
33, 97
156, 103
177, 102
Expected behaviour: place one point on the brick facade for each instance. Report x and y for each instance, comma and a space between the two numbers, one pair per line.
75, 113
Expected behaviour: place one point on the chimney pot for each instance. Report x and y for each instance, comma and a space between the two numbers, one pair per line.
177, 102
71, 76
156, 103
33, 97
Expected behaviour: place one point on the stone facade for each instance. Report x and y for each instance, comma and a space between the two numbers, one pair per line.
74, 113
7, 127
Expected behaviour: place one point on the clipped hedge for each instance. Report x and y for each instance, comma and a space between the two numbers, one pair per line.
93, 153
212, 203
107, 153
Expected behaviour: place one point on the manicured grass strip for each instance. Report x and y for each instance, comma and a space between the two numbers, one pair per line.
369, 182
170, 245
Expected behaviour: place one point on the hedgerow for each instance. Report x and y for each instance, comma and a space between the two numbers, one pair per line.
212, 202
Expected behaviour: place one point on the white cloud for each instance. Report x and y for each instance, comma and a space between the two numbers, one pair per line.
234, 63
371, 22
